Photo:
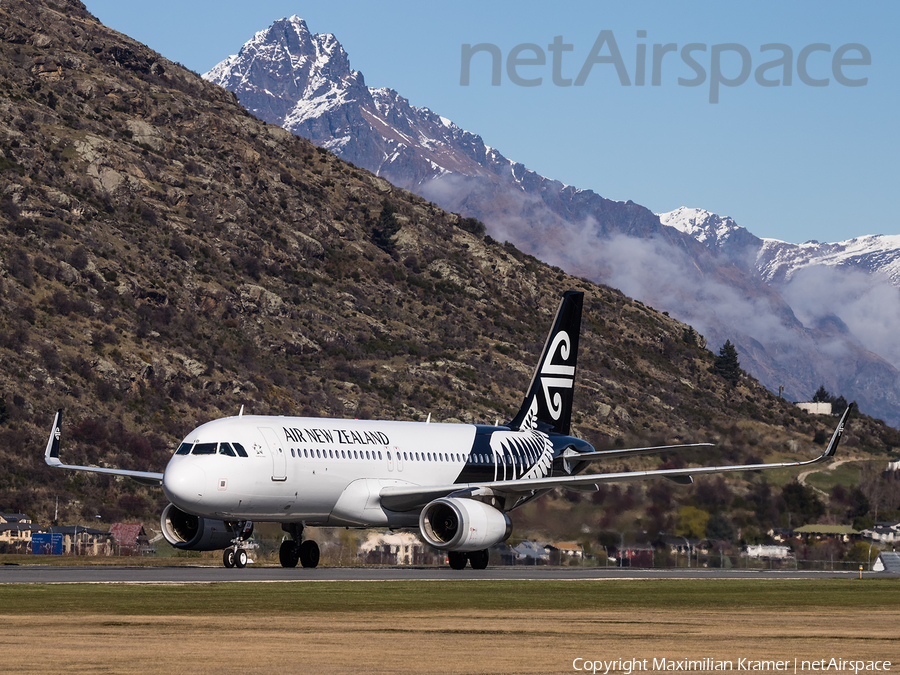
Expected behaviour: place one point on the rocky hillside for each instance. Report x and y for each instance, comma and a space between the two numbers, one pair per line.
166, 258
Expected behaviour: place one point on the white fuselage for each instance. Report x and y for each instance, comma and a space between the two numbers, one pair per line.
319, 471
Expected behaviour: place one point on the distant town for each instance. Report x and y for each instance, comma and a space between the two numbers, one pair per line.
20, 536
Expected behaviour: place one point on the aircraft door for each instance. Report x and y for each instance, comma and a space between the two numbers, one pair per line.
276, 449
390, 458
399, 458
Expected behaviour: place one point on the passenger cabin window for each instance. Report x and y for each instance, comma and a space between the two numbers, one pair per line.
184, 449
204, 449
226, 449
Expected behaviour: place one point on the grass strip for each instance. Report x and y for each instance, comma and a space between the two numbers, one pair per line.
426, 596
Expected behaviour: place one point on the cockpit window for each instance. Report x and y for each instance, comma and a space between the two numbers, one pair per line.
229, 449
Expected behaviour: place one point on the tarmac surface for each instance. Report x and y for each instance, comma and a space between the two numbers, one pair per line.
46, 574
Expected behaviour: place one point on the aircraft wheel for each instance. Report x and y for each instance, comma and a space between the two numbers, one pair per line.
457, 560
228, 557
289, 553
309, 553
240, 558
479, 559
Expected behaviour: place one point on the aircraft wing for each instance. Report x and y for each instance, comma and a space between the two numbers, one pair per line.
51, 456
409, 497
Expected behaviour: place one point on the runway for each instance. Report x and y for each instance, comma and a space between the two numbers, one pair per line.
45, 574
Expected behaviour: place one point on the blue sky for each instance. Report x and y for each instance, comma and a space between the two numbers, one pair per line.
794, 162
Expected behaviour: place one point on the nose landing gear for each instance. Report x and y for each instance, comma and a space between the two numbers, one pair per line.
236, 554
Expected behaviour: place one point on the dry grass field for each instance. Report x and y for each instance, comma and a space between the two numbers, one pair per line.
443, 627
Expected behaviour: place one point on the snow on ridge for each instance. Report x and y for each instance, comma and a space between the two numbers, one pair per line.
777, 259
706, 227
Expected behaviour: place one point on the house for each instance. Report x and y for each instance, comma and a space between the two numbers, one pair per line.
130, 539
843, 533
887, 562
817, 408
883, 533
683, 545
566, 550
15, 532
531, 553
397, 548
80, 540
781, 534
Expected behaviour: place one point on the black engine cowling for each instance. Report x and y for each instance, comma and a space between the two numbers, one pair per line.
452, 524
193, 533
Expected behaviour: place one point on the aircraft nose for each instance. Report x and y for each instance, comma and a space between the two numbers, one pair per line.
183, 483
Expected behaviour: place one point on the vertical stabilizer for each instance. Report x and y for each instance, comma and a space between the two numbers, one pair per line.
548, 402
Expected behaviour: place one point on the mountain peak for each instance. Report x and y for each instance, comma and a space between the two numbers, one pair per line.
286, 65
708, 228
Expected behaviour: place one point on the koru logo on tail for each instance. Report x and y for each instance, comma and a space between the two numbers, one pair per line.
557, 376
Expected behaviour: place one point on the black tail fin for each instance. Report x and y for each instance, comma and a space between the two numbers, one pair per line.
548, 402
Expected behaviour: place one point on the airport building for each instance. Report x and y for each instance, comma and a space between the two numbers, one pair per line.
15, 532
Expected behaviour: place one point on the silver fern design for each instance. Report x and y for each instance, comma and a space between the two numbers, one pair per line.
527, 453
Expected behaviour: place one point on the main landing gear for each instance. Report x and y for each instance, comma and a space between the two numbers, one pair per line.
478, 559
235, 555
294, 550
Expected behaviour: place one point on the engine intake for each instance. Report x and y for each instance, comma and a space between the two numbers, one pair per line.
193, 533
452, 524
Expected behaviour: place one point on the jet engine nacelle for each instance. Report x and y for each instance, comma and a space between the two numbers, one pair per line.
194, 533
452, 524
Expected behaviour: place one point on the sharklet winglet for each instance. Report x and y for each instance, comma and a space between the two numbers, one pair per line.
51, 457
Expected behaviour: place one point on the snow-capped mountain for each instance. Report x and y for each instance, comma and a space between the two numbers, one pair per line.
699, 267
778, 261
303, 82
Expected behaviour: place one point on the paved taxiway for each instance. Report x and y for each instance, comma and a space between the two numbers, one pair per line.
43, 574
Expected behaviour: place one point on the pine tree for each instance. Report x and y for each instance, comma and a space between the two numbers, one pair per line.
822, 395
385, 228
727, 365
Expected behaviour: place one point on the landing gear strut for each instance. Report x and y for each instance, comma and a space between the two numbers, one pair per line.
295, 550
235, 555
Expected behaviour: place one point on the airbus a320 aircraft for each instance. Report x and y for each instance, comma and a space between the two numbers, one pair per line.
455, 483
